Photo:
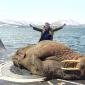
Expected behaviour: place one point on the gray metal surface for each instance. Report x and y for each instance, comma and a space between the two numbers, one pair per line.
8, 72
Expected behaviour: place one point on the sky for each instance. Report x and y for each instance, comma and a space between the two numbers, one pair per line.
39, 11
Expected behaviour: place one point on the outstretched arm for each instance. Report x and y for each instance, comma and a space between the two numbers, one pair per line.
56, 29
35, 28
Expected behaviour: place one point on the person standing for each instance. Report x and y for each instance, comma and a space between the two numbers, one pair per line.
47, 32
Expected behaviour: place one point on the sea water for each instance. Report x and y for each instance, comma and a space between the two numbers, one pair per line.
14, 37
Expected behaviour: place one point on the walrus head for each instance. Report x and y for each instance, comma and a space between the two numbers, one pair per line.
20, 55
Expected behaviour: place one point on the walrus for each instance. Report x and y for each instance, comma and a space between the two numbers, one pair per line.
45, 59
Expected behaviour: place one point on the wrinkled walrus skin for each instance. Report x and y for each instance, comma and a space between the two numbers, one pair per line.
45, 59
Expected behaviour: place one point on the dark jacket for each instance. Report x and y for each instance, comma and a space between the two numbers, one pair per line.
47, 35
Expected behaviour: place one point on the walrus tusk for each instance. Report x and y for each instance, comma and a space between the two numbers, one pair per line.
75, 61
72, 69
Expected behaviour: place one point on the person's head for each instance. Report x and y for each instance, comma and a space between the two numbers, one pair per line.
47, 26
